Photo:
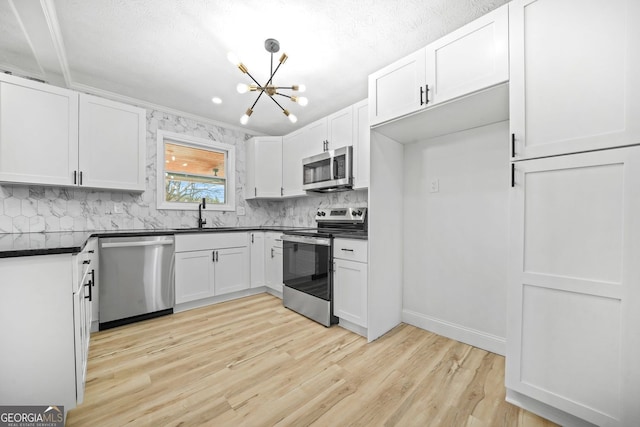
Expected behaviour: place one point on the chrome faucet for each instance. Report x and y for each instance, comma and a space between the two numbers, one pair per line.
201, 206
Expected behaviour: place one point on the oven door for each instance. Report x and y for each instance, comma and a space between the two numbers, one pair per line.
307, 265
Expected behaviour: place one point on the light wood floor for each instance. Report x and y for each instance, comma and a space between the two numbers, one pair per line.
251, 362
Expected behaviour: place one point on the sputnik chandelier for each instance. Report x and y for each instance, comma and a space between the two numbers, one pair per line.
272, 46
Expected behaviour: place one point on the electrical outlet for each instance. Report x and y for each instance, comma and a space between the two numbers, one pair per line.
240, 210
434, 186
117, 208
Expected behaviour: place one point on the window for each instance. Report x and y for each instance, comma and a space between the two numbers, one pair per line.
190, 169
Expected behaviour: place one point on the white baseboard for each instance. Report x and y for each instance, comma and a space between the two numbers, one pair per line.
214, 300
357, 329
545, 411
476, 338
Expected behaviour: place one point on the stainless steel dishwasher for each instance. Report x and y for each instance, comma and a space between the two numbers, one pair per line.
136, 279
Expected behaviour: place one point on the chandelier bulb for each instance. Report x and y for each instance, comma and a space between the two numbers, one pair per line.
300, 88
233, 58
303, 101
244, 119
242, 88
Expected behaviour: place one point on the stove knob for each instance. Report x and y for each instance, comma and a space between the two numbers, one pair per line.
358, 213
323, 213
319, 213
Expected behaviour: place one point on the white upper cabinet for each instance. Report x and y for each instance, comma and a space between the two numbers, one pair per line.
465, 61
264, 167
361, 144
54, 136
340, 129
38, 133
315, 137
111, 148
472, 58
293, 150
577, 63
398, 89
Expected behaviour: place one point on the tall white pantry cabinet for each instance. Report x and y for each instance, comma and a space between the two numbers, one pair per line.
573, 335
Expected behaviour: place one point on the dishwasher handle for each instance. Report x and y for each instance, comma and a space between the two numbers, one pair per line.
136, 244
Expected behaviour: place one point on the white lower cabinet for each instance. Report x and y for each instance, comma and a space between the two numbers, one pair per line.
45, 310
257, 259
350, 281
273, 261
573, 317
210, 264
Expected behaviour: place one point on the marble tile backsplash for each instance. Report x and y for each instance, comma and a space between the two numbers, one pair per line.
36, 209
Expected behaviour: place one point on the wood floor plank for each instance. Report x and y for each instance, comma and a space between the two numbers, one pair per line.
252, 362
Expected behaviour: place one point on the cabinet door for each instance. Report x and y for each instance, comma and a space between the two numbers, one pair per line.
361, 144
398, 89
295, 147
112, 144
194, 275
268, 169
257, 260
350, 291
273, 261
474, 57
231, 270
38, 133
340, 129
574, 75
573, 322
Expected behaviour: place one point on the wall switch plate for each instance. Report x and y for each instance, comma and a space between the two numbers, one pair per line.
117, 207
434, 186
240, 210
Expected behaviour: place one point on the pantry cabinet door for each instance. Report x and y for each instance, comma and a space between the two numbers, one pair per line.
38, 133
112, 144
574, 82
573, 297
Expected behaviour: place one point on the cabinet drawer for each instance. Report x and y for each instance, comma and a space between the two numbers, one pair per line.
350, 249
209, 240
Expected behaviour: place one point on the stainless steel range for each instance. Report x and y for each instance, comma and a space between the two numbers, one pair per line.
308, 262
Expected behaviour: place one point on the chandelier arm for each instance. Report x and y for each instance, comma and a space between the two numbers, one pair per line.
254, 80
277, 103
283, 94
274, 73
256, 101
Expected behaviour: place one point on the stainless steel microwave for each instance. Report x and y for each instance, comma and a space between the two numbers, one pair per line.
328, 171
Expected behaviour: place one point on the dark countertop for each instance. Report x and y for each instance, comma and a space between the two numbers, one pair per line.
65, 242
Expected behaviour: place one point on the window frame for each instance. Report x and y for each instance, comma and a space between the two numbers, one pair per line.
202, 144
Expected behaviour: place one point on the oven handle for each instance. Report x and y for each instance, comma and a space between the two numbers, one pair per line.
322, 241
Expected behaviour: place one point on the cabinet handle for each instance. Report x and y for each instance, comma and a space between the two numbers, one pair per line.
80, 178
75, 177
251, 237
217, 256
271, 252
86, 261
255, 191
213, 256
93, 277
91, 251
513, 145
426, 94
90, 296
282, 191
513, 175
346, 250
421, 94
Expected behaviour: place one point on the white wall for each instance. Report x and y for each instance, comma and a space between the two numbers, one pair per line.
455, 240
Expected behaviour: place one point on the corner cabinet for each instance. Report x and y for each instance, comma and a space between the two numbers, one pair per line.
264, 167
467, 60
563, 97
573, 319
54, 136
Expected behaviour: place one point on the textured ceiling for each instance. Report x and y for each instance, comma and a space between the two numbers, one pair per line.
172, 53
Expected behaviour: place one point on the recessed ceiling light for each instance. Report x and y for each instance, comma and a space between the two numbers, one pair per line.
216, 100
184, 164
